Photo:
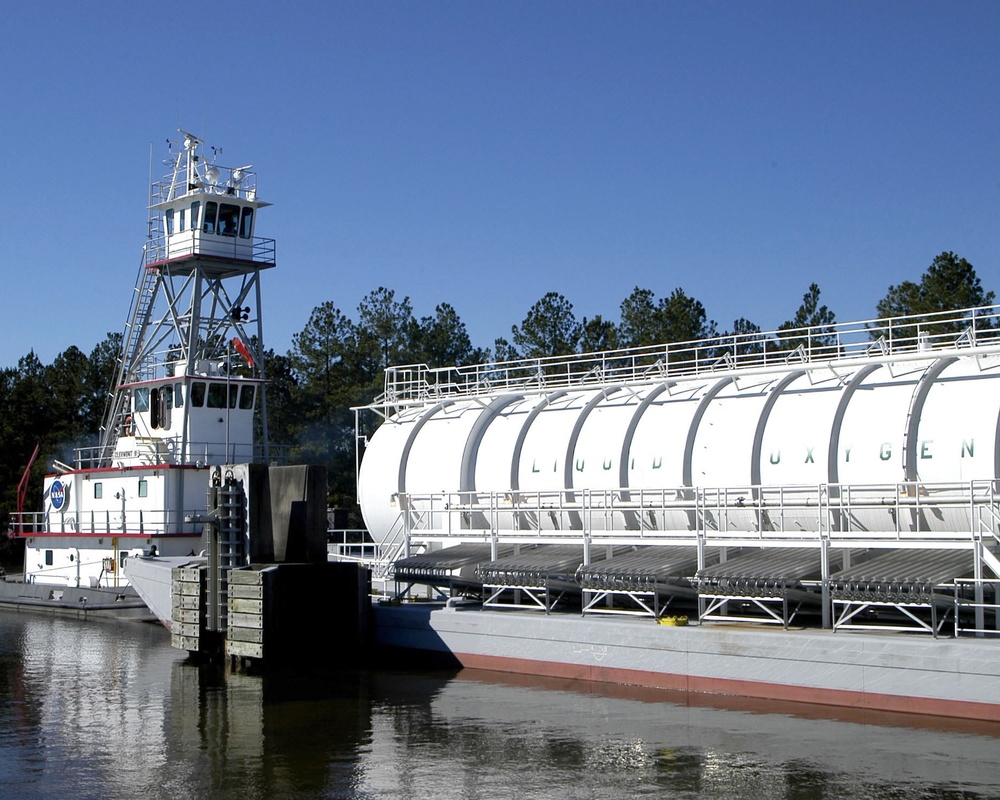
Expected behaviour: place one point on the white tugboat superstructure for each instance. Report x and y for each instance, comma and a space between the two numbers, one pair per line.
190, 381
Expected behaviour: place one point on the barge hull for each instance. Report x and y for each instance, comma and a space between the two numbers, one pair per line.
878, 672
81, 603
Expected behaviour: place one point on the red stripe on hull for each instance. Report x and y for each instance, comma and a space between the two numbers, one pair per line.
870, 701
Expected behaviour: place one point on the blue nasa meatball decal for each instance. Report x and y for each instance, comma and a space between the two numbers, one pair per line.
57, 494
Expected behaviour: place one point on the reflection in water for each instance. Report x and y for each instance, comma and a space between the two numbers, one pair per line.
500, 734
79, 704
298, 734
111, 711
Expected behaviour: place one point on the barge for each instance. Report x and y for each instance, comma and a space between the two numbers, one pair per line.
820, 507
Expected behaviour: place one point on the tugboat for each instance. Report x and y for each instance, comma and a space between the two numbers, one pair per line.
190, 382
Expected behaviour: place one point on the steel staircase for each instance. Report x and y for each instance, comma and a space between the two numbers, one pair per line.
144, 295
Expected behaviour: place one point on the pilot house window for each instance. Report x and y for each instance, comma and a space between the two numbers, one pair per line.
217, 395
246, 223
229, 219
211, 210
246, 398
225, 219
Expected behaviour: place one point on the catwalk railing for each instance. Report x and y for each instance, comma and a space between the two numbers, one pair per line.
870, 515
896, 337
830, 518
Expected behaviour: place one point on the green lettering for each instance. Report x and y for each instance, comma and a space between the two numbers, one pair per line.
967, 447
657, 462
579, 465
775, 456
885, 451
847, 455
925, 449
533, 467
809, 456
607, 463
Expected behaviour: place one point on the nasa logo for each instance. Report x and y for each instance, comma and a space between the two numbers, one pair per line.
57, 494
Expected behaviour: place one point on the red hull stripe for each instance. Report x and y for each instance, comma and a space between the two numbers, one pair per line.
871, 701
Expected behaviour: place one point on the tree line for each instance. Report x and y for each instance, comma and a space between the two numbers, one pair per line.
336, 363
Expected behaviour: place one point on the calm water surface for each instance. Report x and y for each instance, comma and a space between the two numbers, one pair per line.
105, 710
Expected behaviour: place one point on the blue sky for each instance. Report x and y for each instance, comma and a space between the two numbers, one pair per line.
484, 153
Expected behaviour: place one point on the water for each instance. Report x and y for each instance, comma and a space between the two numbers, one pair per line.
105, 710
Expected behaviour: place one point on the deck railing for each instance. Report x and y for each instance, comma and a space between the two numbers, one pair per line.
848, 515
155, 451
981, 597
130, 522
258, 249
906, 336
352, 544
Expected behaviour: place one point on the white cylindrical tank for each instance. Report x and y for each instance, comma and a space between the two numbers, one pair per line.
635, 449
378, 479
